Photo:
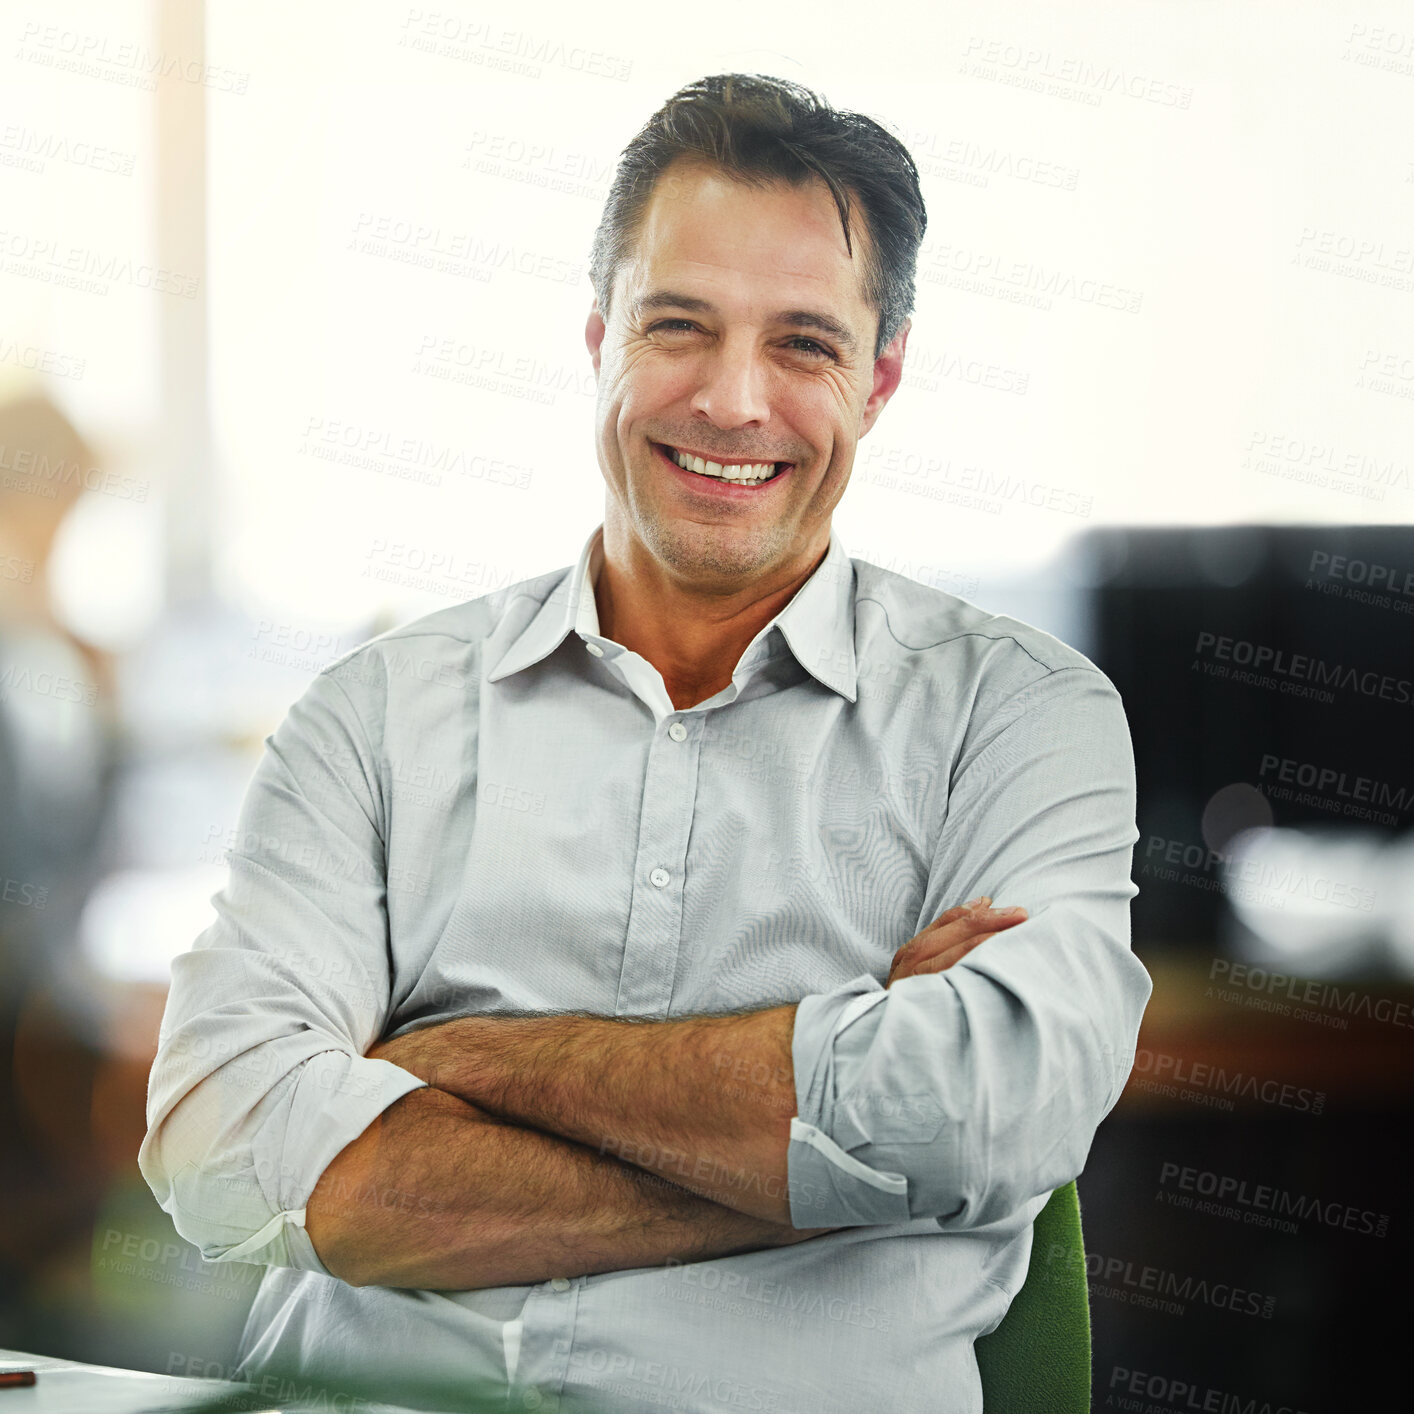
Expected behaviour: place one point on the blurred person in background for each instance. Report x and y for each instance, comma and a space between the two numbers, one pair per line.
57, 763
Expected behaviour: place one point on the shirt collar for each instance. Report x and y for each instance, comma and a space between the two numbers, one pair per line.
817, 624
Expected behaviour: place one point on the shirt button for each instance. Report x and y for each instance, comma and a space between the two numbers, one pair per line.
677, 731
598, 652
659, 877
532, 1399
559, 1284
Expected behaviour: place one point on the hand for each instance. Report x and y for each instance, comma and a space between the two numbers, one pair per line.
950, 936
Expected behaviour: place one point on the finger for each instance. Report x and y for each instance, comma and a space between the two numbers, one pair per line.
948, 928
958, 923
945, 934
950, 946
940, 962
937, 961
955, 915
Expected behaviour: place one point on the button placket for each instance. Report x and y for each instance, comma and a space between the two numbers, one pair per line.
665, 824
546, 1341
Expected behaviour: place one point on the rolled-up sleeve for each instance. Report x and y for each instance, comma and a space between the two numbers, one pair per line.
260, 1077
964, 1094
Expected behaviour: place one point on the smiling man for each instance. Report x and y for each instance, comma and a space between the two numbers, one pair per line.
738, 378
591, 1020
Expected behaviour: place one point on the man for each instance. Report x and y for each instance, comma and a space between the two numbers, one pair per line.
555, 1041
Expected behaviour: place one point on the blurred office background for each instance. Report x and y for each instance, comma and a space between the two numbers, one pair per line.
291, 351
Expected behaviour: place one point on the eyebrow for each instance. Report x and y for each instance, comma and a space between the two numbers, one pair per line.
795, 318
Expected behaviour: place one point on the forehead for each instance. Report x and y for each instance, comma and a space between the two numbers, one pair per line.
734, 239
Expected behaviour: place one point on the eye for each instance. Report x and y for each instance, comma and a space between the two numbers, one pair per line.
800, 343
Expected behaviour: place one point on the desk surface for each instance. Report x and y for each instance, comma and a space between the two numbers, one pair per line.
69, 1387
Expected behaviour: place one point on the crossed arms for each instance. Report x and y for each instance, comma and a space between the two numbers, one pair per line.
284, 1129
557, 1145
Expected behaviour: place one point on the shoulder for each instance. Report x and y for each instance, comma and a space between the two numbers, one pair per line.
921, 630
969, 681
447, 646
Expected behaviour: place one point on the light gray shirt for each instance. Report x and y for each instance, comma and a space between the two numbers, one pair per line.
496, 810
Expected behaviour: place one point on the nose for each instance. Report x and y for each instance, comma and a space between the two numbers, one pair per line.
732, 391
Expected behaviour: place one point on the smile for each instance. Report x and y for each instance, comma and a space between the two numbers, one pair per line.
729, 476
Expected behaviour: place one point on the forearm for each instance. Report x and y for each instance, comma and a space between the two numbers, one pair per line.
436, 1194
705, 1102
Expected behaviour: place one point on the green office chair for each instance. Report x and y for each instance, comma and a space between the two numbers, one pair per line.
1038, 1359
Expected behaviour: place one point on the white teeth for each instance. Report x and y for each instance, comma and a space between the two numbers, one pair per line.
752, 474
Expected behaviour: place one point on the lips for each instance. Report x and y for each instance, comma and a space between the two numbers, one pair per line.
715, 486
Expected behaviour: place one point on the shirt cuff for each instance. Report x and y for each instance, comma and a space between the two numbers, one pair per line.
333, 1098
827, 1186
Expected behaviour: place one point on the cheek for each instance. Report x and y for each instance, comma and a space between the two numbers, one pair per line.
822, 415
648, 386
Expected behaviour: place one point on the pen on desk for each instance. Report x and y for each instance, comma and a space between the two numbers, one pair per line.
10, 1379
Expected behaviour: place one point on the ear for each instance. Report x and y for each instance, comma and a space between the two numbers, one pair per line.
594, 331
888, 371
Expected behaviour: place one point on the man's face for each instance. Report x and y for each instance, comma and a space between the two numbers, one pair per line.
738, 332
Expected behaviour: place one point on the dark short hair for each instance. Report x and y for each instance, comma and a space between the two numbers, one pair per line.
760, 130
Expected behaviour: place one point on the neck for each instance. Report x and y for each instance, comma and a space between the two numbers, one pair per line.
694, 637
